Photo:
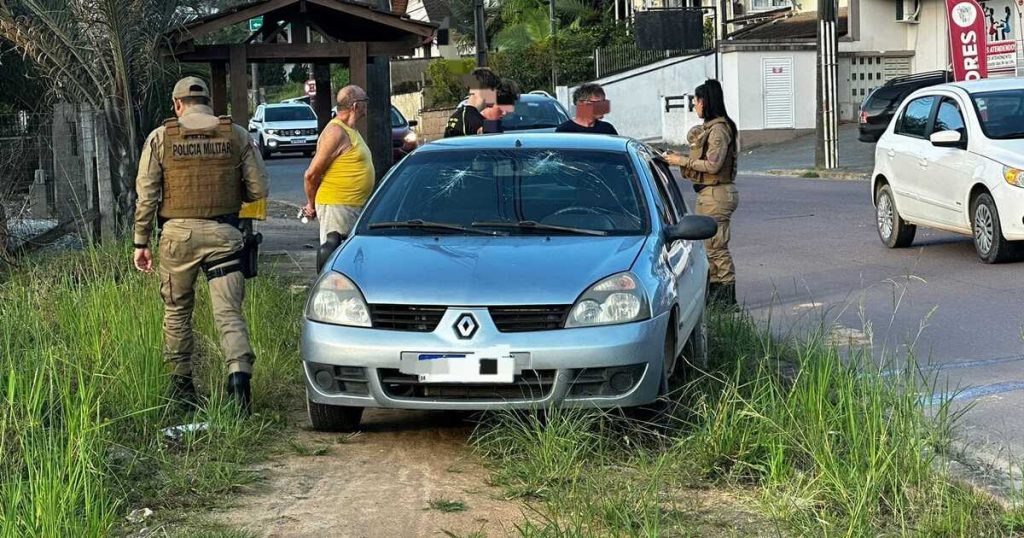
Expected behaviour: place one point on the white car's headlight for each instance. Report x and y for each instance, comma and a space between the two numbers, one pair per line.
1013, 176
410, 137
616, 299
335, 299
271, 131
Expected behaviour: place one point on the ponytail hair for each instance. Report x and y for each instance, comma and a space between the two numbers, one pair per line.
710, 93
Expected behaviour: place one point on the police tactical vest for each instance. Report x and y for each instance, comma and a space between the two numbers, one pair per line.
698, 150
202, 171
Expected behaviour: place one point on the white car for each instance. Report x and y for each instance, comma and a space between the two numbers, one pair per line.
953, 159
284, 127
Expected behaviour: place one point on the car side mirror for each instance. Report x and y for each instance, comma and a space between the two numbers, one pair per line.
947, 139
692, 228
334, 240
252, 129
413, 123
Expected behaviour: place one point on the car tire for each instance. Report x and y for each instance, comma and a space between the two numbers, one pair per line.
333, 418
695, 351
892, 229
989, 242
655, 414
264, 150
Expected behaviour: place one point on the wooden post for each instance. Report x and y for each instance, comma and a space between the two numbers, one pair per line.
107, 201
87, 133
322, 100
219, 87
378, 115
239, 86
357, 75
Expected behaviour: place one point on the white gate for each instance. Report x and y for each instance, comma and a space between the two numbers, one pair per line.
777, 89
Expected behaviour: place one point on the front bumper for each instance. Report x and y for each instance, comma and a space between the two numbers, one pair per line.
558, 367
291, 143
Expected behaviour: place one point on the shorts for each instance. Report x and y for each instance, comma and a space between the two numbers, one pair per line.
336, 218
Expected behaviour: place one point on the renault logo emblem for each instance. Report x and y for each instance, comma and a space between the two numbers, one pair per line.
466, 326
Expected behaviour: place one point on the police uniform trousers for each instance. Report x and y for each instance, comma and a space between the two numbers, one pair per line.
719, 202
185, 245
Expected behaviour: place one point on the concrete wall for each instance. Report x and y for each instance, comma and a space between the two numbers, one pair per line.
409, 104
638, 98
432, 123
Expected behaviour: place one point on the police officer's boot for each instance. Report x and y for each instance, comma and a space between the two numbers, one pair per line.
727, 296
183, 391
714, 293
238, 390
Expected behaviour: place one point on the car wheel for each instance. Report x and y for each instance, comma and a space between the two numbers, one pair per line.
333, 418
892, 229
264, 150
989, 242
655, 414
695, 352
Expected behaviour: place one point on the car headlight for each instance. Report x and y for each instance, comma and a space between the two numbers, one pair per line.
410, 137
335, 299
1013, 176
271, 131
616, 299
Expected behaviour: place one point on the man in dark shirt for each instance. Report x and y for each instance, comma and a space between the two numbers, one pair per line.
467, 120
591, 106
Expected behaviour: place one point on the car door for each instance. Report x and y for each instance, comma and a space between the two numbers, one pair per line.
944, 181
255, 122
906, 151
689, 284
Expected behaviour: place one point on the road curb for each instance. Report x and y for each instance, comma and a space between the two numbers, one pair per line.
992, 473
810, 173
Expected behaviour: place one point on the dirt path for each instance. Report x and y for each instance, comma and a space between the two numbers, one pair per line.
379, 482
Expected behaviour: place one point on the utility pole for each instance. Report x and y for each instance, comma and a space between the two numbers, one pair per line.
255, 86
826, 153
481, 36
554, 47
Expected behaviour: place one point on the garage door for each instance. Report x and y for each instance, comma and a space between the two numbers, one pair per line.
777, 89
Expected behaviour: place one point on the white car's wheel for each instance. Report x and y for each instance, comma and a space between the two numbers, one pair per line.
989, 242
892, 229
333, 418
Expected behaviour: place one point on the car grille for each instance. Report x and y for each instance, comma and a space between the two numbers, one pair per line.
517, 319
412, 318
530, 385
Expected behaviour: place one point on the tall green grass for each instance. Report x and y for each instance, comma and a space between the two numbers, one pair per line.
83, 395
823, 443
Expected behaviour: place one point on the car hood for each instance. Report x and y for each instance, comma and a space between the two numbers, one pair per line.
304, 124
1006, 152
482, 271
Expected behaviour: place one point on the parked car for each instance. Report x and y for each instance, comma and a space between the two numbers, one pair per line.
876, 112
954, 160
284, 127
535, 112
510, 271
403, 139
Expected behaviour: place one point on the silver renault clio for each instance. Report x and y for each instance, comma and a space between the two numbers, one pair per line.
510, 271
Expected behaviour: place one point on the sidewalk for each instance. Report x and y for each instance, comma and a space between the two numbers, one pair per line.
796, 157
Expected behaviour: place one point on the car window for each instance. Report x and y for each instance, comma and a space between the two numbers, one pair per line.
539, 114
884, 99
290, 113
914, 120
595, 190
1001, 113
666, 208
397, 121
667, 183
948, 117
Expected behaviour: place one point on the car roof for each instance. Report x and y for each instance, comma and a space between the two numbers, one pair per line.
990, 84
531, 141
285, 105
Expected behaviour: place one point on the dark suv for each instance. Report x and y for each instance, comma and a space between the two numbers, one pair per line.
877, 110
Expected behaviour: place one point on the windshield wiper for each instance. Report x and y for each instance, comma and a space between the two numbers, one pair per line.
534, 225
421, 224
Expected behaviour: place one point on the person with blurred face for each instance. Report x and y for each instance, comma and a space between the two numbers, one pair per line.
591, 107
468, 119
507, 95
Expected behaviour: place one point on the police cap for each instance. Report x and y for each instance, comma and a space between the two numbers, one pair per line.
190, 87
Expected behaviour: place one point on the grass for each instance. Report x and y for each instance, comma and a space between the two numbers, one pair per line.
787, 438
447, 506
82, 396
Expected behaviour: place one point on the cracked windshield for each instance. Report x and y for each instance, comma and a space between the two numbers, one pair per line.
511, 191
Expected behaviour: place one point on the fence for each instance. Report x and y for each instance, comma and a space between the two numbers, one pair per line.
619, 58
55, 178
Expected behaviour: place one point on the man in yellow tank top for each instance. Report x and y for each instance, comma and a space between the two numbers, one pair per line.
341, 177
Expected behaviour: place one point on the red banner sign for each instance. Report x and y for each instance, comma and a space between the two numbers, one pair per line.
967, 39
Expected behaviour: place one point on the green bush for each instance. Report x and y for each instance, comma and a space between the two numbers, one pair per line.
271, 74
445, 77
299, 74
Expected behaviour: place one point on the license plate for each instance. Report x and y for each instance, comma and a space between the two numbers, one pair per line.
493, 365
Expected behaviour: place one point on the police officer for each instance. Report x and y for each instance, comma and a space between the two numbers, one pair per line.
195, 172
711, 166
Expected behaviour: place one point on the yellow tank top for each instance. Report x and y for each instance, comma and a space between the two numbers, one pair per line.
350, 178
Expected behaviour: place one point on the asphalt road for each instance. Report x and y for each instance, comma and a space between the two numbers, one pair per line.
808, 257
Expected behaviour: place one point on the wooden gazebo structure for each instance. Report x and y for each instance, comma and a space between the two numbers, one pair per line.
324, 32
